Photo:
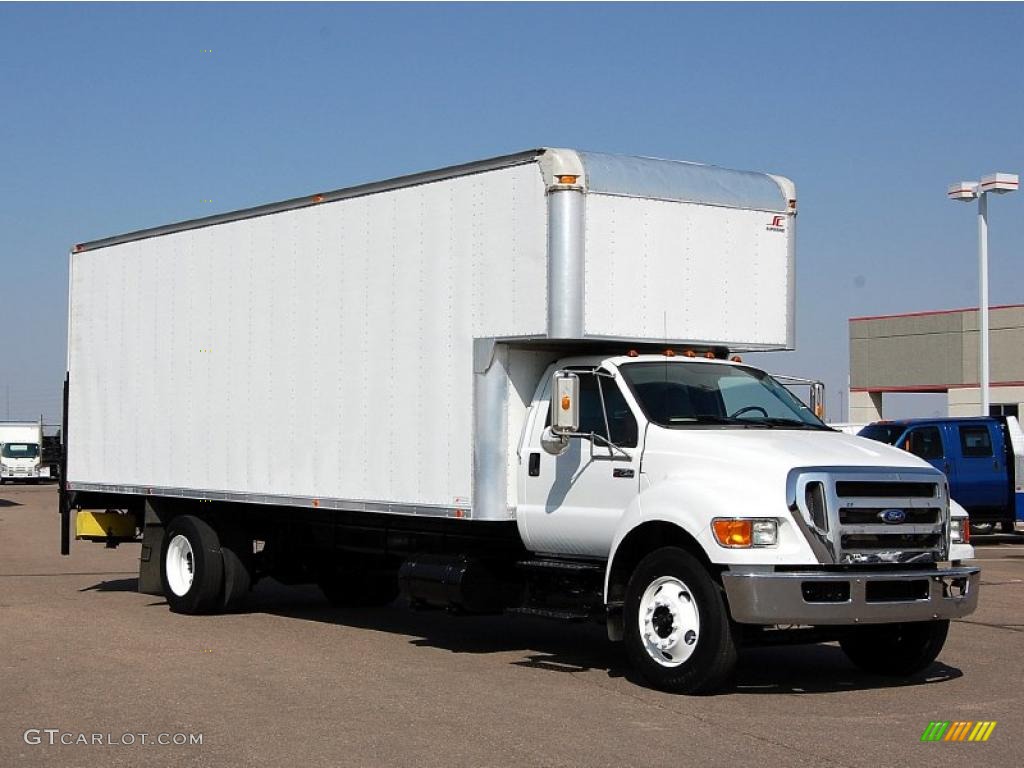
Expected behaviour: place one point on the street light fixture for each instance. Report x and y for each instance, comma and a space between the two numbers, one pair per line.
964, 191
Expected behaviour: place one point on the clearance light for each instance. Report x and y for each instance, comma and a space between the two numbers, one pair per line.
566, 179
736, 359
318, 198
689, 353
670, 353
709, 355
743, 534
632, 353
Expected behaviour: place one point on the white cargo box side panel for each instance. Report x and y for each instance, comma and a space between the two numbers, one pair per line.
324, 352
659, 269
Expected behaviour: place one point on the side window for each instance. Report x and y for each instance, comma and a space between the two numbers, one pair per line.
620, 418
975, 441
925, 442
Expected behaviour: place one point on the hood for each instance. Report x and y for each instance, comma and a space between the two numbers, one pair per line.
777, 450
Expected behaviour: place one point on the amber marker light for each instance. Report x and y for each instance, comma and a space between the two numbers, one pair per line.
566, 179
733, 533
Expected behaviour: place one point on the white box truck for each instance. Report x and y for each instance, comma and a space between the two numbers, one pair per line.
507, 386
21, 451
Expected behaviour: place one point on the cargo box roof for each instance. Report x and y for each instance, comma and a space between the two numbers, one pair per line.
597, 172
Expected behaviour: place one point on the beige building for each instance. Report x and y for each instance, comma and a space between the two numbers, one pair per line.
936, 352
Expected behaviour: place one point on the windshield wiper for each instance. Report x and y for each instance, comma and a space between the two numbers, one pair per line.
708, 418
775, 421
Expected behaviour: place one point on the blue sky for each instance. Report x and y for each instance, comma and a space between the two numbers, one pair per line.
112, 118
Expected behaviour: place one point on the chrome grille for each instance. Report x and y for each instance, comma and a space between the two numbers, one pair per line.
895, 516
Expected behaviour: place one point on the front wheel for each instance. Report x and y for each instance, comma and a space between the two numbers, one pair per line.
895, 649
677, 630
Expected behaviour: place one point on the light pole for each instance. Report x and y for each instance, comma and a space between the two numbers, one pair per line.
999, 183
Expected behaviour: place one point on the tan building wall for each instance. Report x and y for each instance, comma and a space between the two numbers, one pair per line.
935, 352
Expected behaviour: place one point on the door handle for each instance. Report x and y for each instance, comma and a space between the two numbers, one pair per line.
534, 470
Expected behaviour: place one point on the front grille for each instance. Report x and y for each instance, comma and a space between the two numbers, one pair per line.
868, 519
859, 489
872, 515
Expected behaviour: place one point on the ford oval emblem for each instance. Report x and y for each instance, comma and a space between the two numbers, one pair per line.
893, 516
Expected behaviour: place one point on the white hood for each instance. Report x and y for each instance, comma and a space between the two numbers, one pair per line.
786, 448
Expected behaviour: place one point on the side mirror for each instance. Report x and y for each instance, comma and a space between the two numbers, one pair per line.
565, 411
554, 444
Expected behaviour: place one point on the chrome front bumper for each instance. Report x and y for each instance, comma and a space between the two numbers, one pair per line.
863, 597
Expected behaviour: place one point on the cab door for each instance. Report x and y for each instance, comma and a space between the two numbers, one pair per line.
571, 504
983, 481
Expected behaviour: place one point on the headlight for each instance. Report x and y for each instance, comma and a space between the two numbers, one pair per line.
737, 533
959, 530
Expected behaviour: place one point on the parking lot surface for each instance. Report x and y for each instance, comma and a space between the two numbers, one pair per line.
292, 681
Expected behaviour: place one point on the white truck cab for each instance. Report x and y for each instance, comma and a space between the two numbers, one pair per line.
21, 452
792, 518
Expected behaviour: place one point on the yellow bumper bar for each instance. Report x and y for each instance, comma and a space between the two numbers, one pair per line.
104, 526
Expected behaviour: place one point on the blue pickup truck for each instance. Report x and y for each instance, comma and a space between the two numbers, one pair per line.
982, 457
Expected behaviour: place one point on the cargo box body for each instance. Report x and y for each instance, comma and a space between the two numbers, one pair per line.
375, 348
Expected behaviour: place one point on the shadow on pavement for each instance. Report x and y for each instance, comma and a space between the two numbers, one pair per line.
567, 648
9, 503
114, 585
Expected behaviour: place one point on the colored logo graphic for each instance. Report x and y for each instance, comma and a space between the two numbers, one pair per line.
958, 730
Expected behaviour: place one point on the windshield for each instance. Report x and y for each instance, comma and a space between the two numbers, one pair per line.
20, 450
883, 433
681, 394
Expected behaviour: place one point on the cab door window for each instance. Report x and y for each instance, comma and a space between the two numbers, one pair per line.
925, 442
622, 428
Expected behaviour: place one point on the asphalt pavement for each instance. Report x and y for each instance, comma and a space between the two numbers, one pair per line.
290, 681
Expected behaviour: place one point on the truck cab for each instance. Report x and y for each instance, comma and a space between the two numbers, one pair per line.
793, 523
975, 454
20, 452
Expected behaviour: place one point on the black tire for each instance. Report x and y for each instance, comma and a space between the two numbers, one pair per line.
357, 588
712, 660
237, 579
895, 649
204, 594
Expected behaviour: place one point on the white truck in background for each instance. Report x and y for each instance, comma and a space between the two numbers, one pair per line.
21, 452
507, 386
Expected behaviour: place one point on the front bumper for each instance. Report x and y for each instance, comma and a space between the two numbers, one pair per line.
862, 597
20, 473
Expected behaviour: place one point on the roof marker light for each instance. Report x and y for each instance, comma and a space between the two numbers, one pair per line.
670, 353
736, 359
632, 353
689, 353
709, 355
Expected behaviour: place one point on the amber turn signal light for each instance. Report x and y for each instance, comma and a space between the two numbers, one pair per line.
733, 533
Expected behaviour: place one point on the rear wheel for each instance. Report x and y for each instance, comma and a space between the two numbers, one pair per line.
193, 566
237, 578
895, 649
677, 630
